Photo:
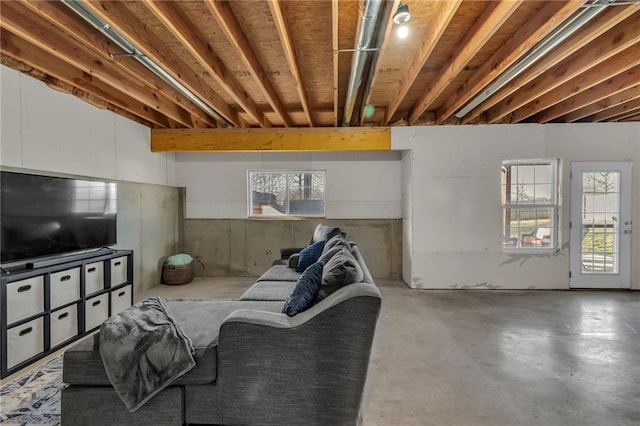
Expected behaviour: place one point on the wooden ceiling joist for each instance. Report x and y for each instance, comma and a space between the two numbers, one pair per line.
612, 86
25, 52
602, 23
221, 10
539, 26
612, 67
611, 43
175, 21
609, 102
632, 113
495, 14
125, 23
54, 13
267, 63
302, 139
282, 27
49, 38
445, 10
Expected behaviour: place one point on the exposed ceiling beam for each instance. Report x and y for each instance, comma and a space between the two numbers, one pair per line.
603, 104
539, 26
633, 114
616, 111
25, 52
221, 10
611, 86
596, 28
124, 22
175, 21
633, 117
622, 61
493, 17
603, 48
290, 53
299, 139
57, 14
443, 14
49, 38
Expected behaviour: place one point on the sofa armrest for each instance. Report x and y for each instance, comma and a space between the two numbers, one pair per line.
318, 358
286, 252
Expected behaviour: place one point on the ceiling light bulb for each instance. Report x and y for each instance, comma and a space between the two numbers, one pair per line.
403, 31
402, 14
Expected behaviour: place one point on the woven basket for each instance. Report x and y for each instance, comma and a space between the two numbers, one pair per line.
177, 274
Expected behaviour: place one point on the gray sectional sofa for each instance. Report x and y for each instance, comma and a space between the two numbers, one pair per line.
254, 364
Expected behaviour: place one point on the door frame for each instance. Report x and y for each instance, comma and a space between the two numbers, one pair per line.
621, 278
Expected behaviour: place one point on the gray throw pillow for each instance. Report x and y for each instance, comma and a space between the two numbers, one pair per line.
324, 232
342, 269
335, 241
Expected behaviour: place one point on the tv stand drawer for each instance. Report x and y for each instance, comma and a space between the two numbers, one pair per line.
118, 271
65, 287
25, 341
93, 277
27, 298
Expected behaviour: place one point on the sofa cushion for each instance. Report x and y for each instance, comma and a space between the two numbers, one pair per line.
335, 241
269, 290
309, 255
279, 273
306, 290
324, 232
82, 364
342, 269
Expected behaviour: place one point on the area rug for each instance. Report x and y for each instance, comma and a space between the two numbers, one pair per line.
34, 398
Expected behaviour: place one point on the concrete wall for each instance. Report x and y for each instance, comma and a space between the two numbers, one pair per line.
48, 132
363, 197
226, 247
454, 237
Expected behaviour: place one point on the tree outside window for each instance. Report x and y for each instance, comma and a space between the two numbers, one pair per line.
286, 193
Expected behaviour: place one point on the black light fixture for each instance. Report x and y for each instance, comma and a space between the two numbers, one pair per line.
402, 14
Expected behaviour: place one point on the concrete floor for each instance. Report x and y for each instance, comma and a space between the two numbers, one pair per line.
485, 357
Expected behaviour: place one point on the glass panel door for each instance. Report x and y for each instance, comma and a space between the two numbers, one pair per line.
600, 225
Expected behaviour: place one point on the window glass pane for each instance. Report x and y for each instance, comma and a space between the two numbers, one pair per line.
306, 193
297, 193
544, 173
268, 193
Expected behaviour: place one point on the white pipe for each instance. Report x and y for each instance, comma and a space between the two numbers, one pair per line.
121, 41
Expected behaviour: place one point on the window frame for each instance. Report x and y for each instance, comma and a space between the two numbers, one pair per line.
287, 215
553, 205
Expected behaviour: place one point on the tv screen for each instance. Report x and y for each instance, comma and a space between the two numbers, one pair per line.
44, 215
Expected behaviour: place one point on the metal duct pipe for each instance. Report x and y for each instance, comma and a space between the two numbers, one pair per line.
541, 49
366, 32
121, 41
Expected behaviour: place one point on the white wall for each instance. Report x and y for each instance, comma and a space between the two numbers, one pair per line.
43, 130
364, 185
46, 130
455, 214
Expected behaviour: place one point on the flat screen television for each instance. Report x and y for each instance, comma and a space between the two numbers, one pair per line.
46, 216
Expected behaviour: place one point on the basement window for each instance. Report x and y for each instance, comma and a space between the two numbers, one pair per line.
530, 206
278, 193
